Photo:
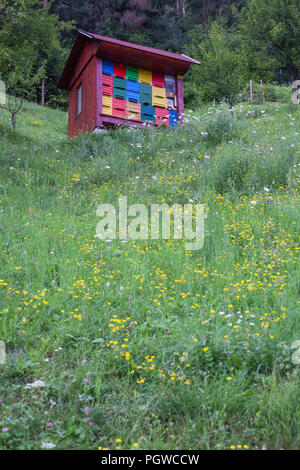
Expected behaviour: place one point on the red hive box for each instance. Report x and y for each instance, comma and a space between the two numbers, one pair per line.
158, 79
120, 70
119, 107
161, 116
107, 85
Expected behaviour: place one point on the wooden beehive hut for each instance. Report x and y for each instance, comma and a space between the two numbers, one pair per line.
112, 82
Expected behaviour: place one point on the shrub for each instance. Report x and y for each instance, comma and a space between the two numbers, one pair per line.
221, 128
282, 94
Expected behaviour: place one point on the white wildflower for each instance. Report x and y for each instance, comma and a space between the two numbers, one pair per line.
36, 384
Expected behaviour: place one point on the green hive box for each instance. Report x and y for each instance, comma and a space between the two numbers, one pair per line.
119, 88
146, 94
132, 73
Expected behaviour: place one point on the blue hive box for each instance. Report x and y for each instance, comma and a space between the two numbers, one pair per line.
133, 91
173, 117
107, 67
147, 113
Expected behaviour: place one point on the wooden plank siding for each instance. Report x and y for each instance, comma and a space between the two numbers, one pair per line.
88, 51
86, 121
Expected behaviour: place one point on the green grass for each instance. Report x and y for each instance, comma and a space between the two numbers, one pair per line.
159, 347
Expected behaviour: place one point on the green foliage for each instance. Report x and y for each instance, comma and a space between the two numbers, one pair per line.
29, 49
270, 32
221, 74
280, 94
221, 128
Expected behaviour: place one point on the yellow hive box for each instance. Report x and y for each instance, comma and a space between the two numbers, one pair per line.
159, 97
145, 76
107, 104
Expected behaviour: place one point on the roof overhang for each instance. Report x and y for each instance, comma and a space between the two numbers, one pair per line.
128, 54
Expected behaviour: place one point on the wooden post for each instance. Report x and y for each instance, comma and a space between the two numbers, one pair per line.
251, 92
180, 99
262, 93
99, 121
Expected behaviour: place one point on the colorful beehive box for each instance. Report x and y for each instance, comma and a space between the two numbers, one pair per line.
173, 117
147, 113
119, 88
161, 116
119, 107
172, 103
145, 76
132, 73
170, 82
159, 97
107, 107
107, 67
132, 91
107, 85
158, 79
146, 94
119, 70
133, 111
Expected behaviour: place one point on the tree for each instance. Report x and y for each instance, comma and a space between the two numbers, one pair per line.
221, 75
271, 35
28, 36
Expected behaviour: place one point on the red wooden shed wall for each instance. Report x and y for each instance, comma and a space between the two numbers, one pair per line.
87, 119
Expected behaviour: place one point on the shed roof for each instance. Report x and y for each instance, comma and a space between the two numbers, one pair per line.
125, 53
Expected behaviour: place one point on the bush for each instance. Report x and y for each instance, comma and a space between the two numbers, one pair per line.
221, 128
281, 94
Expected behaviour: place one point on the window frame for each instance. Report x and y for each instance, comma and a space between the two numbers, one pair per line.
79, 100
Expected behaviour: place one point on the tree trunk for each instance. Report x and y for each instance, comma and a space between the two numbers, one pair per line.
13, 120
231, 108
183, 7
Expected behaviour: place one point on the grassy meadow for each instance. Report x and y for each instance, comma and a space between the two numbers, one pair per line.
143, 344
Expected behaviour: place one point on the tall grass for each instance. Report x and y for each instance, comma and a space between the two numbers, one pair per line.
142, 344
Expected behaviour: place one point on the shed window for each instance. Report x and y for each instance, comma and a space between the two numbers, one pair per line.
79, 100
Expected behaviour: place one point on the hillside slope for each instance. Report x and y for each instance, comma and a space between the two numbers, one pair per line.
143, 344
